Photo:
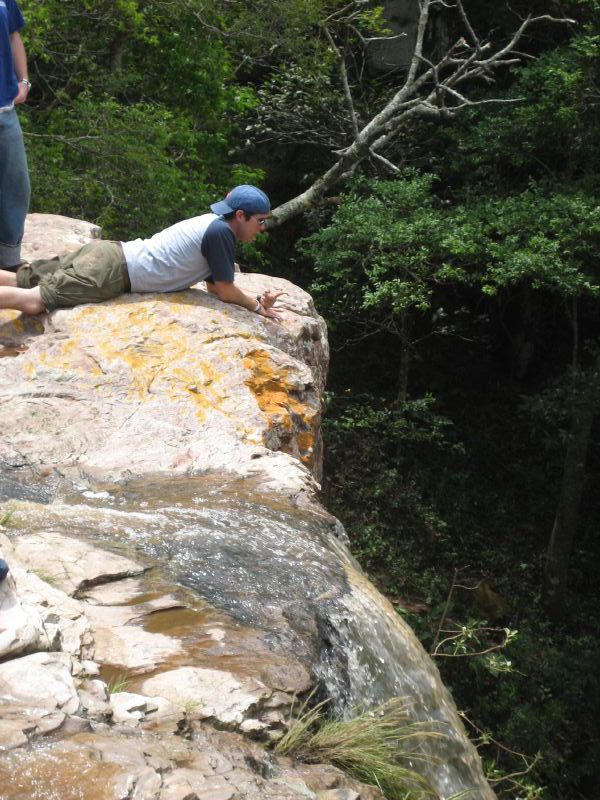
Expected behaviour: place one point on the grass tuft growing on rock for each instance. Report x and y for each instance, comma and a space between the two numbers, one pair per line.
377, 747
117, 684
47, 577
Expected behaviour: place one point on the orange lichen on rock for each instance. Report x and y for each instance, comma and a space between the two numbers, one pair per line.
15, 329
161, 355
18, 324
270, 388
294, 422
152, 353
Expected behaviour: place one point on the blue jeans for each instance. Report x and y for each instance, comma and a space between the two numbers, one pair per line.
14, 188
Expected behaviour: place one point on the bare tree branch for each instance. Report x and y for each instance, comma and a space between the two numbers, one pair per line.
345, 83
429, 90
467, 24
386, 163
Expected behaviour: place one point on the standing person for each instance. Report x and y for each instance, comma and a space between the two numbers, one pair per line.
197, 249
14, 175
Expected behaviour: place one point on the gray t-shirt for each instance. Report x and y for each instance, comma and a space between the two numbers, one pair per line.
197, 249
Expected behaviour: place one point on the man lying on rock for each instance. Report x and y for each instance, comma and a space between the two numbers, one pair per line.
197, 249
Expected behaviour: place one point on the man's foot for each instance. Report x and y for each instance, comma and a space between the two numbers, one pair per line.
29, 301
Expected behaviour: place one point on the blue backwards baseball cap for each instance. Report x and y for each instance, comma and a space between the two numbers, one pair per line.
245, 197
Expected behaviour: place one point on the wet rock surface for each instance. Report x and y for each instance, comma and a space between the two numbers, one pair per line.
70, 565
60, 724
174, 583
210, 765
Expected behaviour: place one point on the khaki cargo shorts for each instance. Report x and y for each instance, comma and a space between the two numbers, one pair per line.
94, 273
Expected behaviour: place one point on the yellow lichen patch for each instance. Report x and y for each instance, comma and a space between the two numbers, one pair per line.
306, 441
9, 316
67, 356
18, 324
13, 323
160, 357
15, 331
273, 389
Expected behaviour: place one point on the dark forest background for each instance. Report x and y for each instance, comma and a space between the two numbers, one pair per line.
459, 278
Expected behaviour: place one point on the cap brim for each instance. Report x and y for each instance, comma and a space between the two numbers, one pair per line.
221, 207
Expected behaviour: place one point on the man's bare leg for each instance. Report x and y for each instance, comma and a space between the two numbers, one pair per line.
8, 278
29, 301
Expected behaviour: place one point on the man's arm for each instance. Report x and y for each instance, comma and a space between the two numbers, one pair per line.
228, 292
20, 64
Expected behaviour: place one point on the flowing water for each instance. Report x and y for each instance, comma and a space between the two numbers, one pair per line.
280, 570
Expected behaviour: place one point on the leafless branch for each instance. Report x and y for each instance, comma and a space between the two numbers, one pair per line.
445, 611
486, 738
429, 90
467, 24
386, 163
436, 653
60, 138
345, 83
388, 39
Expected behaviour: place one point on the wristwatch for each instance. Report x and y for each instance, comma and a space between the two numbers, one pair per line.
26, 81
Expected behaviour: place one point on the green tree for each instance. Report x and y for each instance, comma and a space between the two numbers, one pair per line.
129, 121
375, 263
585, 407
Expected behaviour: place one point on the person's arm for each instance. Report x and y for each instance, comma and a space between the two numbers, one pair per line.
20, 64
228, 292
218, 249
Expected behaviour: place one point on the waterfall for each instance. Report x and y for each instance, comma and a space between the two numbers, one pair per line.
282, 570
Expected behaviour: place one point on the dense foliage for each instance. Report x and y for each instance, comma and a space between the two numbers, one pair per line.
460, 285
128, 123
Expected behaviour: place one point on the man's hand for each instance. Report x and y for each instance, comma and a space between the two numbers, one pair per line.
269, 297
228, 292
21, 94
267, 300
270, 313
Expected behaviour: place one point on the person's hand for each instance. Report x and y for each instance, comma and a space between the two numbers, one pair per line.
21, 94
269, 297
270, 313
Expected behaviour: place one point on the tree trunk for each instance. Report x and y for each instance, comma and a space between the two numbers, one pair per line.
567, 513
405, 327
117, 51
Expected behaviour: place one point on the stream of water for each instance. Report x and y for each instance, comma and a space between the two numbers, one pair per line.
279, 569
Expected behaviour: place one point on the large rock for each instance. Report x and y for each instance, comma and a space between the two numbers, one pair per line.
70, 565
52, 234
162, 384
37, 616
43, 681
184, 432
168, 384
